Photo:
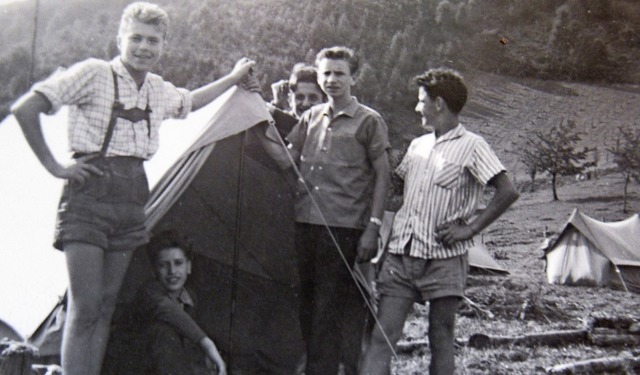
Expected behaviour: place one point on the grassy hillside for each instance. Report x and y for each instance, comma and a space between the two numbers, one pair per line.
580, 41
523, 303
504, 109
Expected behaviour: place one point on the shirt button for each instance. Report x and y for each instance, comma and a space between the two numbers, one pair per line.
324, 149
320, 167
316, 188
311, 167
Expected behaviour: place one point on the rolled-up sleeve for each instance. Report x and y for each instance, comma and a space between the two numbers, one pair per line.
375, 135
154, 304
484, 162
178, 101
69, 86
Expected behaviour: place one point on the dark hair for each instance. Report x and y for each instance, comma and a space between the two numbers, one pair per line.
302, 72
447, 84
165, 240
340, 53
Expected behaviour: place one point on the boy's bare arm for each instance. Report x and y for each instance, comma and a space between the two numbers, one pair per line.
212, 353
503, 197
27, 111
368, 245
208, 93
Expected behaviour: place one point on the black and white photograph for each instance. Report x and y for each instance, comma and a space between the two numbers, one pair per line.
312, 187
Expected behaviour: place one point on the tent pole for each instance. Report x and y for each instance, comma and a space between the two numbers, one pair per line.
236, 250
32, 63
621, 278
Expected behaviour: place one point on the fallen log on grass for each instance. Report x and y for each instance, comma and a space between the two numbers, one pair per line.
553, 338
613, 322
617, 339
597, 366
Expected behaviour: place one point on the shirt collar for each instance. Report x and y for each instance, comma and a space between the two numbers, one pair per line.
454, 133
349, 110
184, 298
121, 70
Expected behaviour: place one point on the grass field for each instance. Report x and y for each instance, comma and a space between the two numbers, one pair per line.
515, 240
504, 110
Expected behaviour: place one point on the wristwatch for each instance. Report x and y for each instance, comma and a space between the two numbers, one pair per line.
376, 221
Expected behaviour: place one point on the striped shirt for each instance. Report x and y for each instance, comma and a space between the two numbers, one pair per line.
444, 181
87, 88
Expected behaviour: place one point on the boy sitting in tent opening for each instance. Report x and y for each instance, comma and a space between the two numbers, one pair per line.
171, 340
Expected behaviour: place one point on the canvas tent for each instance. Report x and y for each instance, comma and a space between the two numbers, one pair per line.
592, 252
9, 333
234, 203
236, 206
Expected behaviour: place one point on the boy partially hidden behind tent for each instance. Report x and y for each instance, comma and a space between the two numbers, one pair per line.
170, 339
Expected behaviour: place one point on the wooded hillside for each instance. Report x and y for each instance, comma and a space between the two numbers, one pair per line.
565, 40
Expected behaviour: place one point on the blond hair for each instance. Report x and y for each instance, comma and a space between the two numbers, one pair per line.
147, 13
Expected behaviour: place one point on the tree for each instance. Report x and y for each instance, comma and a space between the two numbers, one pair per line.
554, 151
626, 155
530, 162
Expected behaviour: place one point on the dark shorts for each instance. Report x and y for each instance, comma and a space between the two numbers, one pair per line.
422, 279
106, 211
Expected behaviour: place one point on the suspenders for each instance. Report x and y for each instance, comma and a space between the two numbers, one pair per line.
117, 110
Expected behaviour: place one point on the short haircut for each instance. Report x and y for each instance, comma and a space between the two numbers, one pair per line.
445, 83
168, 239
302, 72
147, 13
340, 53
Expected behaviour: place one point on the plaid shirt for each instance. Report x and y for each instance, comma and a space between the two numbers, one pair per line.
444, 181
87, 88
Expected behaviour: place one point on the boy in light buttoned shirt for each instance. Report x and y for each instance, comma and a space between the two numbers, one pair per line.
444, 173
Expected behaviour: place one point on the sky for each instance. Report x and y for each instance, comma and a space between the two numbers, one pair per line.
34, 274
5, 2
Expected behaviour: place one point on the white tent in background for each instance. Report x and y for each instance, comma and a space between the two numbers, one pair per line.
592, 252
8, 332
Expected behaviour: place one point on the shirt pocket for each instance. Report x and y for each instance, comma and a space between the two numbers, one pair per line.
449, 176
346, 151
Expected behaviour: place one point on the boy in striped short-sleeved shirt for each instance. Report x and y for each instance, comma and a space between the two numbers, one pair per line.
444, 173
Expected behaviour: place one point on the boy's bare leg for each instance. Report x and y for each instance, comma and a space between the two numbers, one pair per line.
442, 315
95, 278
392, 313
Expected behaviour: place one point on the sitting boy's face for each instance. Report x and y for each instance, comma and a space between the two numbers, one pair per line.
140, 45
307, 95
172, 268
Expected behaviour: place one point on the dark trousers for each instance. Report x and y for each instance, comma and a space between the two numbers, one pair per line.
332, 311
